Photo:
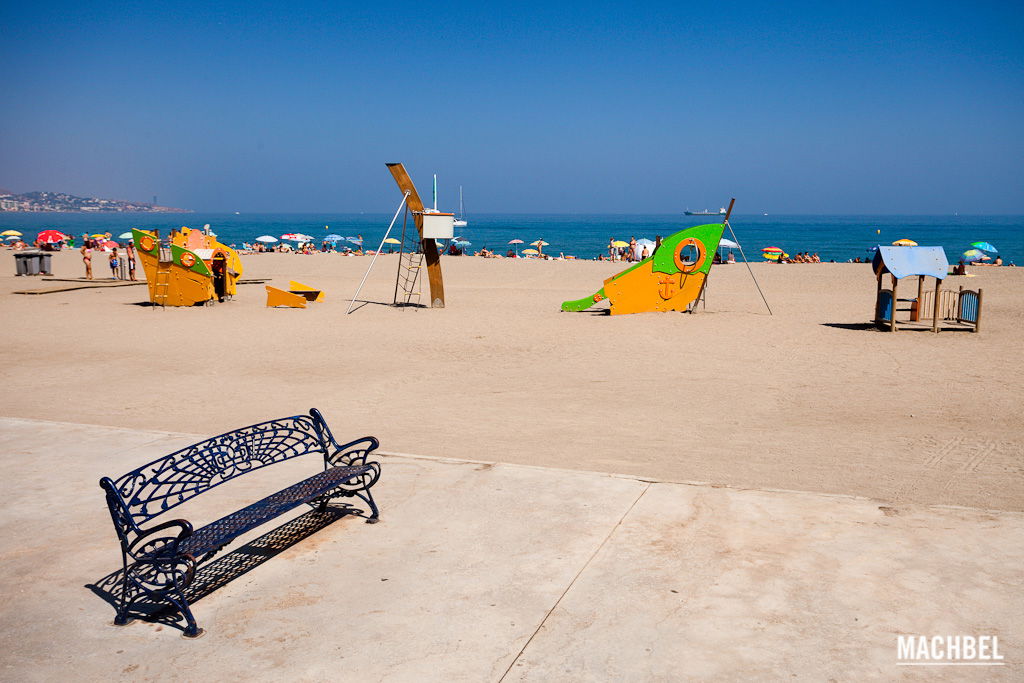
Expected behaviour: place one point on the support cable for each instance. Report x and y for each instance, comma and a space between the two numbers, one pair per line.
374, 260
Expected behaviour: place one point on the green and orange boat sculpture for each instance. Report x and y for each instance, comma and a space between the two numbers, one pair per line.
671, 279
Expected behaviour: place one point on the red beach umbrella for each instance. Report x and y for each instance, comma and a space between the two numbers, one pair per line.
772, 250
51, 236
109, 244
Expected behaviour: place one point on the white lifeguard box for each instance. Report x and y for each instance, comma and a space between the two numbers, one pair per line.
438, 226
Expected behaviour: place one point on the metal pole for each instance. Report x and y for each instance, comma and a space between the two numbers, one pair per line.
733, 233
386, 235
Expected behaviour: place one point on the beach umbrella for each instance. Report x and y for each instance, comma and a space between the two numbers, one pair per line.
644, 242
904, 243
728, 244
108, 245
266, 238
972, 255
771, 250
515, 241
12, 237
392, 240
51, 236
297, 237
529, 251
540, 243
124, 236
620, 244
333, 238
10, 233
98, 236
775, 256
984, 246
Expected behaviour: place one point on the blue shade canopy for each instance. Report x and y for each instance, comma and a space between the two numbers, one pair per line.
907, 261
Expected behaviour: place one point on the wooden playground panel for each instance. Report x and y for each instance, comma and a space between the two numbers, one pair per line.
297, 295
934, 310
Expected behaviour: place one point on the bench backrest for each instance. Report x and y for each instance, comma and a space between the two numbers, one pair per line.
167, 482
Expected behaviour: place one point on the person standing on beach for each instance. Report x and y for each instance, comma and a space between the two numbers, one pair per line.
611, 248
632, 249
87, 258
129, 255
114, 263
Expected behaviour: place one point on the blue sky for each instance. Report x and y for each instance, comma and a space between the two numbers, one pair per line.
549, 107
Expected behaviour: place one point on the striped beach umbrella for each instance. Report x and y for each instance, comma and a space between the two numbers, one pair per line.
972, 255
904, 243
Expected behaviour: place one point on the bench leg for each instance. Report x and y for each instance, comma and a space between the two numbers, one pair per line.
177, 598
366, 496
122, 618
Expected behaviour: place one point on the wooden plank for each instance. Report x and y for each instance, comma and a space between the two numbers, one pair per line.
81, 285
892, 314
429, 246
977, 314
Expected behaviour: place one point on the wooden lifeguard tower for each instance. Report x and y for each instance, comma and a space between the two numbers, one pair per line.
431, 226
948, 309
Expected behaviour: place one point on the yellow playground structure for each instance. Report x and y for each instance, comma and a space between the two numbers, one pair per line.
191, 268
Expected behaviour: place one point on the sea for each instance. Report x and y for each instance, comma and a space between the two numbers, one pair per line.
833, 238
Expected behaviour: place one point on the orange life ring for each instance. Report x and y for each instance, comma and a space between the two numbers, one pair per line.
188, 259
147, 243
682, 265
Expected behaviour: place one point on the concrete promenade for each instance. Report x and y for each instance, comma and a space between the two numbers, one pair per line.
484, 572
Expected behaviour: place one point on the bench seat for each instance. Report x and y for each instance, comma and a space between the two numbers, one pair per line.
216, 535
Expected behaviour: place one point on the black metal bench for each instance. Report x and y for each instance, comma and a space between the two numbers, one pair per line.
160, 561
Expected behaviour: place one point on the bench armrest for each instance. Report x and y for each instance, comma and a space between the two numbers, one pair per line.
160, 540
352, 453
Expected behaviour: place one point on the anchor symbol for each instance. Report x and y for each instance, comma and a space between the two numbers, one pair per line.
668, 286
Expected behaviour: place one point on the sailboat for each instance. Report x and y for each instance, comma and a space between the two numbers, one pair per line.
461, 221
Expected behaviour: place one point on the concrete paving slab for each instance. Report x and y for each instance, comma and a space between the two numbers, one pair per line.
481, 571
468, 560
718, 584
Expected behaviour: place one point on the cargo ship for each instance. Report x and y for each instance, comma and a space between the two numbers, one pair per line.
705, 212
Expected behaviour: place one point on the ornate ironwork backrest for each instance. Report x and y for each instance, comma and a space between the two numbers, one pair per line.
173, 479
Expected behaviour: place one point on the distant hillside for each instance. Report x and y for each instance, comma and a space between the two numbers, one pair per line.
69, 203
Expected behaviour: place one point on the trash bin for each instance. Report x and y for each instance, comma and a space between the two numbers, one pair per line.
27, 262
45, 260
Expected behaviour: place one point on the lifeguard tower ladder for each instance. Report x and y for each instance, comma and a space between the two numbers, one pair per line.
408, 283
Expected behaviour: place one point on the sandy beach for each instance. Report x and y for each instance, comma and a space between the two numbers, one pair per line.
810, 398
